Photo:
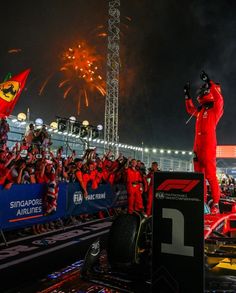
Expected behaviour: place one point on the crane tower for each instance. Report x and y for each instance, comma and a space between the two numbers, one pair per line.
111, 138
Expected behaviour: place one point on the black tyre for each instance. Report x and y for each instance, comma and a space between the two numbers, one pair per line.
122, 240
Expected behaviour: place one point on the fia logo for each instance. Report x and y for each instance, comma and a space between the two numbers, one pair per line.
78, 197
160, 195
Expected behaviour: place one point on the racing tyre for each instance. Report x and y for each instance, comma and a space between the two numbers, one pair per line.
122, 240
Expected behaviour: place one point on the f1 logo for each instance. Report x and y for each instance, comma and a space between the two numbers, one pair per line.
179, 184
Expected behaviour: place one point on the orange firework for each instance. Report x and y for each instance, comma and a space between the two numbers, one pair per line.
14, 51
82, 73
81, 66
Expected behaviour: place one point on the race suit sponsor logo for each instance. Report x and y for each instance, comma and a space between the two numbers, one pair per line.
205, 115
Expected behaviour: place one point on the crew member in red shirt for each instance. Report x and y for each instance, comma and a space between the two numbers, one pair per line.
134, 188
79, 176
207, 116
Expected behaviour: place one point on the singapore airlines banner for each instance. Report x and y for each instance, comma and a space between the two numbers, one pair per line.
23, 205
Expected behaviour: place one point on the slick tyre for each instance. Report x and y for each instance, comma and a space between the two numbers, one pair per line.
122, 240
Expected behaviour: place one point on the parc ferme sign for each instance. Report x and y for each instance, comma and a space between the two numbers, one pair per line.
178, 233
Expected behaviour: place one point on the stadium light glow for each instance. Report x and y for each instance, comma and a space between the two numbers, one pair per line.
72, 119
21, 117
54, 125
99, 127
39, 121
85, 123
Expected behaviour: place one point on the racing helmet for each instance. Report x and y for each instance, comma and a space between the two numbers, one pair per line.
204, 95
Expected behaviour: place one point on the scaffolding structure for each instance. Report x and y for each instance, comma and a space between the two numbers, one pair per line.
111, 138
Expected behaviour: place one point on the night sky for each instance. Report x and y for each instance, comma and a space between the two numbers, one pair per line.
165, 44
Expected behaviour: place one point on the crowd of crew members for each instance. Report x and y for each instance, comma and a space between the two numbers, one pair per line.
28, 165
227, 185
32, 161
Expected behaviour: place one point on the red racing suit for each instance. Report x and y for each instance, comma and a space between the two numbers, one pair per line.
207, 118
134, 190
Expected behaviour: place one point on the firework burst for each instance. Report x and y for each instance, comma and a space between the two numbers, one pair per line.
82, 67
81, 73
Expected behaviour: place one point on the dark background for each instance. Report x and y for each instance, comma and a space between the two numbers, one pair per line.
165, 44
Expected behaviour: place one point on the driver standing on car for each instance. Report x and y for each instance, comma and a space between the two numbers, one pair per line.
207, 115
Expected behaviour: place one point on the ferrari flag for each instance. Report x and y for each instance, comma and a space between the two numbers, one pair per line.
10, 91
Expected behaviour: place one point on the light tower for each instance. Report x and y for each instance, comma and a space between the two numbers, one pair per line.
112, 91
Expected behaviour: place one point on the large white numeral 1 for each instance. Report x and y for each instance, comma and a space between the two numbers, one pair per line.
177, 246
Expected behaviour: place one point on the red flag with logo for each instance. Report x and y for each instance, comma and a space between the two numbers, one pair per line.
10, 91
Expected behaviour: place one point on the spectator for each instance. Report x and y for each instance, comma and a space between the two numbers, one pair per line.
28, 176
150, 180
89, 175
20, 167
79, 175
29, 134
42, 138
71, 172
4, 129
